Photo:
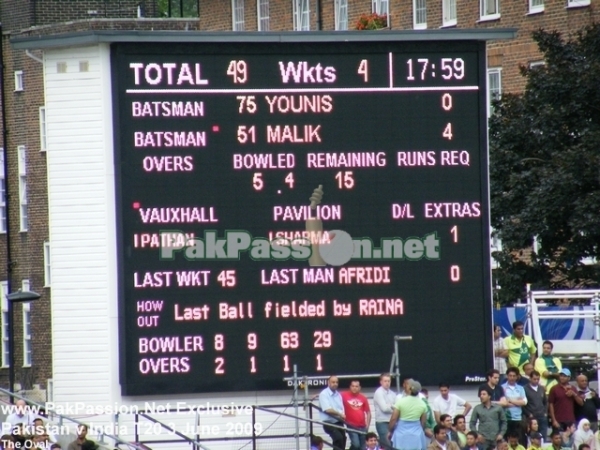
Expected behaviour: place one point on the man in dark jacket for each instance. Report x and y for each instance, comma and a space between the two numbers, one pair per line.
537, 403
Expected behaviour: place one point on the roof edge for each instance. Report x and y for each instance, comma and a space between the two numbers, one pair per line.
112, 36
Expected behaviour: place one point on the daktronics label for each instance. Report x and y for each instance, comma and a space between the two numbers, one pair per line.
295, 204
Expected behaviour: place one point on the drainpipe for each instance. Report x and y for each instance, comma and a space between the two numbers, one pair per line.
319, 16
9, 262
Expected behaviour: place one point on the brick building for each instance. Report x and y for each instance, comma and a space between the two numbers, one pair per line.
24, 239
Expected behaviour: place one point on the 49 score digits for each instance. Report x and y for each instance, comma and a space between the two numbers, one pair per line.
321, 340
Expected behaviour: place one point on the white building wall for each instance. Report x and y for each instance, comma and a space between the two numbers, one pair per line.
81, 221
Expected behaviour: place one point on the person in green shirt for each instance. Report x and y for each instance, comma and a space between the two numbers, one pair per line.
548, 366
557, 442
513, 441
521, 348
430, 420
535, 439
489, 420
408, 420
460, 428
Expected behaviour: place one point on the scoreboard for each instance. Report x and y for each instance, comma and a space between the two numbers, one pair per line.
300, 203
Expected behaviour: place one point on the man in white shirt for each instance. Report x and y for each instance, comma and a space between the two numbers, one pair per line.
384, 400
500, 350
21, 415
447, 403
332, 412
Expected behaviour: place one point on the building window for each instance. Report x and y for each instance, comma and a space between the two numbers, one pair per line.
533, 64
47, 265
536, 6
178, 8
381, 7
448, 13
26, 327
19, 80
2, 194
419, 14
42, 128
4, 324
262, 9
577, 3
490, 9
301, 15
24, 218
341, 15
237, 9
494, 87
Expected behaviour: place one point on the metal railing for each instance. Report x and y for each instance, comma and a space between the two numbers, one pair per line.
62, 418
287, 435
263, 428
261, 425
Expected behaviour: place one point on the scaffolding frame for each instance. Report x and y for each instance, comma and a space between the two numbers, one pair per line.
583, 350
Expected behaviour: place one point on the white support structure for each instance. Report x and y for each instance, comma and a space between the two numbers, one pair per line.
580, 350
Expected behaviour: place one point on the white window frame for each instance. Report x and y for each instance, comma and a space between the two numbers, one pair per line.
27, 344
534, 9
577, 3
19, 85
449, 13
47, 265
381, 7
3, 209
238, 22
4, 325
301, 15
43, 139
23, 209
263, 15
416, 24
533, 64
490, 72
341, 15
483, 6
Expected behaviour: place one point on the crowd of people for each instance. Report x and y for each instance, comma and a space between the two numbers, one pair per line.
527, 402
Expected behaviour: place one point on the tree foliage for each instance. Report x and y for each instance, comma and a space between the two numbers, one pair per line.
545, 168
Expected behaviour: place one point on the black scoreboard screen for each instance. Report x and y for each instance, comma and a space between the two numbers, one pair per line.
300, 204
